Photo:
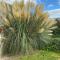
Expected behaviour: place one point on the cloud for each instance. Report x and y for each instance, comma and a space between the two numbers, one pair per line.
54, 13
55, 16
50, 5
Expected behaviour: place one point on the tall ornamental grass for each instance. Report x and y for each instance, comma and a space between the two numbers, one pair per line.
25, 26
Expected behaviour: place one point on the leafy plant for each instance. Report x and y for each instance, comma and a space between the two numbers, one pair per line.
23, 30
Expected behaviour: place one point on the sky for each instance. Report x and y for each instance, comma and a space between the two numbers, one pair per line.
52, 6
49, 5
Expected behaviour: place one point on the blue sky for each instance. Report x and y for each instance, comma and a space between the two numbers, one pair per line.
50, 4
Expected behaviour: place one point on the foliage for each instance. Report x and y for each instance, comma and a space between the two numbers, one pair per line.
24, 31
40, 55
56, 32
55, 43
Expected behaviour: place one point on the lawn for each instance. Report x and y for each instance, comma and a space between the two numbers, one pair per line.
41, 55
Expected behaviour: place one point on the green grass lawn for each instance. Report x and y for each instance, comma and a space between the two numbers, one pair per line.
41, 55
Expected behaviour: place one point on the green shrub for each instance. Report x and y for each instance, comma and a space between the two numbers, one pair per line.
54, 45
24, 31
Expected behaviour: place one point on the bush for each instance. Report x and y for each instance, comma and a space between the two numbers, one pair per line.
23, 30
54, 45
